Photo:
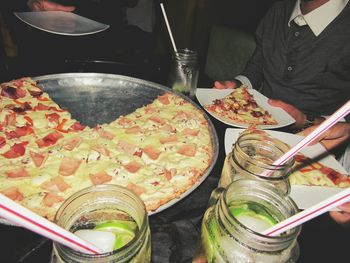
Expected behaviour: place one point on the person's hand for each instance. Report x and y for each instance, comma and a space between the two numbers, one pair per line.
300, 118
224, 85
342, 217
44, 5
332, 137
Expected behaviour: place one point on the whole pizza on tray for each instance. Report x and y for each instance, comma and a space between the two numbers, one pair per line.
158, 151
240, 106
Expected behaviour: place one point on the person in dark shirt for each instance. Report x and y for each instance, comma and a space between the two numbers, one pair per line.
302, 58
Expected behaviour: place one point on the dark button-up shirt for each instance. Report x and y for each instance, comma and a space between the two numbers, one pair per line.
290, 63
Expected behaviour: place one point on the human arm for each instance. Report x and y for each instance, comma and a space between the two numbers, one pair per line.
299, 116
45, 5
333, 137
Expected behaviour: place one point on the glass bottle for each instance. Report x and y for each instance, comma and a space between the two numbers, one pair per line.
252, 157
103, 203
184, 72
226, 239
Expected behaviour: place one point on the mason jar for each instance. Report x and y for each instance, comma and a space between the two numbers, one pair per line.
104, 203
226, 237
184, 71
252, 157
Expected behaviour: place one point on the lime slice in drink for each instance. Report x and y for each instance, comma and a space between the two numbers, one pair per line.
253, 216
124, 231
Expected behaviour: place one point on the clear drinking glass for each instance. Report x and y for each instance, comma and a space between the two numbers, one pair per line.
252, 157
225, 238
103, 203
184, 72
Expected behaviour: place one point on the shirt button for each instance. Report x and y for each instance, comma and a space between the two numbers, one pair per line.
297, 34
290, 68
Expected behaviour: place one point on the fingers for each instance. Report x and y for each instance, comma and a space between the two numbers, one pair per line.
50, 6
224, 85
44, 5
340, 217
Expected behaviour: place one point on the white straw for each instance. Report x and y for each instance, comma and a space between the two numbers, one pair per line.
328, 123
168, 26
310, 213
21, 216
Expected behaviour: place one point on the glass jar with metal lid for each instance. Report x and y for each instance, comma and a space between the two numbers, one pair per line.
94, 206
233, 224
252, 157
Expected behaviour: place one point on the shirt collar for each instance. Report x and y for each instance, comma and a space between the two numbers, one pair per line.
319, 18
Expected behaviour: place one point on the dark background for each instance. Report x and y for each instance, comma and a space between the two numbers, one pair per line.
26, 51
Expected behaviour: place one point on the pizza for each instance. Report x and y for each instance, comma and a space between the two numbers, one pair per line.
310, 172
158, 151
240, 106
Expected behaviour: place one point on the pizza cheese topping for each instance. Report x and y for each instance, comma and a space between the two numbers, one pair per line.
158, 151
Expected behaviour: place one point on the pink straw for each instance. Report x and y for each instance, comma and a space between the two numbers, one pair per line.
21, 216
310, 213
328, 123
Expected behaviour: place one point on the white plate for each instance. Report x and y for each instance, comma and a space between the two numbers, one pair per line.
207, 96
304, 196
62, 23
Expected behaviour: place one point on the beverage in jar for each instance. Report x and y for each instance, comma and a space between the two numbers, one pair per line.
232, 226
105, 208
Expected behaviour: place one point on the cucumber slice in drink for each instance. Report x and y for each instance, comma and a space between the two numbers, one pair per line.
123, 230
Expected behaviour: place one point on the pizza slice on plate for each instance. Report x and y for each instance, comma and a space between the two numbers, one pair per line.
240, 106
308, 172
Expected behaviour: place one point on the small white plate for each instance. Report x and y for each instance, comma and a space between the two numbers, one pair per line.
61, 23
304, 196
207, 96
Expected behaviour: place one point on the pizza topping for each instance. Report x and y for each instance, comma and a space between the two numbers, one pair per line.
19, 132
77, 126
151, 152
2, 141
72, 143
191, 132
50, 199
38, 158
100, 178
12, 93
133, 130
105, 134
133, 166
123, 121
168, 139
10, 119
69, 166
49, 139
53, 117
127, 147
17, 173
35, 91
157, 119
19, 109
101, 149
16, 150
164, 99
168, 174
13, 193
138, 190
55, 185
29, 120
188, 150
169, 128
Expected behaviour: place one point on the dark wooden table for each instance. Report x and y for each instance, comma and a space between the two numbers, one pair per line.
175, 231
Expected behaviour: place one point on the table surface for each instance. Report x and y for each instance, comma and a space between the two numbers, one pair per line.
175, 232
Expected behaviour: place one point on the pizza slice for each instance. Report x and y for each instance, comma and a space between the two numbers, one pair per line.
309, 172
240, 106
